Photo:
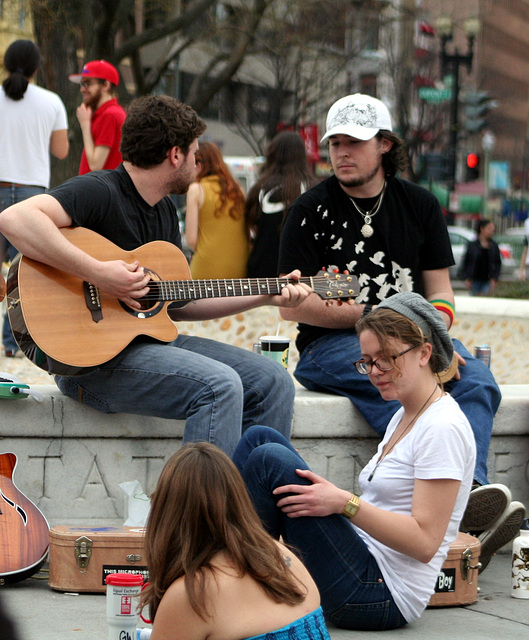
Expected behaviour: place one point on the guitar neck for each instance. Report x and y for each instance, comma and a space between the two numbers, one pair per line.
174, 290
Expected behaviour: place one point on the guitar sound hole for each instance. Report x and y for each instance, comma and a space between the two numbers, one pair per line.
147, 303
150, 304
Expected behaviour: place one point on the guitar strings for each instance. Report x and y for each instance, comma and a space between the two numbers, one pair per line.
170, 285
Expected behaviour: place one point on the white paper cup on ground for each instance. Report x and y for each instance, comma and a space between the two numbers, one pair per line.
276, 348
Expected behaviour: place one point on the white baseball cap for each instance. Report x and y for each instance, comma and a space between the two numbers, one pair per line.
358, 116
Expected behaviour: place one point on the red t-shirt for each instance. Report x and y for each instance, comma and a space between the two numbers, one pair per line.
106, 124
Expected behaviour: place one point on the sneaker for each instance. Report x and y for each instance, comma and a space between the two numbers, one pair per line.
503, 532
485, 506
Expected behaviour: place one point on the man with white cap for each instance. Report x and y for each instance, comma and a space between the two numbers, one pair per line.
99, 115
392, 235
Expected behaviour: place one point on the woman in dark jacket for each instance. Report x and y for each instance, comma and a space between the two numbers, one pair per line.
481, 264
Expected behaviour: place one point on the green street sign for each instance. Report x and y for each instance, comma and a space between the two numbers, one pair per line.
433, 95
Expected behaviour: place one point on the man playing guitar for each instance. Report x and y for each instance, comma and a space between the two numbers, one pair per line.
219, 390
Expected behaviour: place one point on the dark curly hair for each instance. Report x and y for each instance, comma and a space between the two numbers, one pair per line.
396, 159
154, 124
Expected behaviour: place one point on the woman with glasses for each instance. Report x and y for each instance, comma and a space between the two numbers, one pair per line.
376, 557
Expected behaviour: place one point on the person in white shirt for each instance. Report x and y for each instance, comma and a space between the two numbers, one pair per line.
34, 124
376, 558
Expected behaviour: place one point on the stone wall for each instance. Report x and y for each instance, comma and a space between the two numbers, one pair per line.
72, 458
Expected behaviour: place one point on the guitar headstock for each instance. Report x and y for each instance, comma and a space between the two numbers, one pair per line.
332, 286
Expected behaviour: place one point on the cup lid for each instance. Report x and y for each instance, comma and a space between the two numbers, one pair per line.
124, 579
275, 338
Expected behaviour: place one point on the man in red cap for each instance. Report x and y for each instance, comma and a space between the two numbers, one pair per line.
99, 115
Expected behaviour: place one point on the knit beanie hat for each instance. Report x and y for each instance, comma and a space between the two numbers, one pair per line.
414, 307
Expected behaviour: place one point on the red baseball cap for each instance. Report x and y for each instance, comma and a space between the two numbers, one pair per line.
97, 69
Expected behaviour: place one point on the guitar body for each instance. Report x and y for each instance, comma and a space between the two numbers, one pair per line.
51, 321
24, 537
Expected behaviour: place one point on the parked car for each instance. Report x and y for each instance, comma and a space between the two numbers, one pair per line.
461, 236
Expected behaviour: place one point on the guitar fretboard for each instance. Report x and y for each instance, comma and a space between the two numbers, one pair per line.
198, 289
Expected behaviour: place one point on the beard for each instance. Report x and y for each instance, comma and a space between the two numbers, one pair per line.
360, 180
92, 100
180, 184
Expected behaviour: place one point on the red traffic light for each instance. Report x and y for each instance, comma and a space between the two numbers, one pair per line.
472, 160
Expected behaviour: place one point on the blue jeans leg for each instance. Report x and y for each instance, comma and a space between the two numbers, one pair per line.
353, 592
9, 196
480, 287
327, 365
220, 390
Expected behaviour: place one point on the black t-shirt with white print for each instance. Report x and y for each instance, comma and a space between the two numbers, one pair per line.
322, 230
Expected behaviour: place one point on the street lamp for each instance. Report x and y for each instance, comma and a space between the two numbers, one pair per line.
450, 64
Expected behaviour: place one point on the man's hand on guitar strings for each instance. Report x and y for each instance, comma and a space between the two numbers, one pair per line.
127, 282
292, 295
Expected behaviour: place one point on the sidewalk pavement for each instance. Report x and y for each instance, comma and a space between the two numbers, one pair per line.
43, 614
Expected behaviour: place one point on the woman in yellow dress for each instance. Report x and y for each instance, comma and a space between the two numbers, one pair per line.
215, 226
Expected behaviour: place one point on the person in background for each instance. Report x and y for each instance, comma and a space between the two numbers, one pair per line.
284, 176
213, 570
376, 557
524, 261
481, 264
214, 224
392, 235
99, 115
33, 124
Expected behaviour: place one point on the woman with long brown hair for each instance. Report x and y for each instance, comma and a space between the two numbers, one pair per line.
213, 570
284, 177
215, 228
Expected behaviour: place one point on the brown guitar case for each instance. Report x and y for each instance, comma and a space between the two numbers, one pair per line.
81, 557
457, 583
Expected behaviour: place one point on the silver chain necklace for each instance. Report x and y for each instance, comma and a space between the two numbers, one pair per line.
367, 229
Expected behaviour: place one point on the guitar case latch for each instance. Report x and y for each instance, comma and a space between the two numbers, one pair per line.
83, 552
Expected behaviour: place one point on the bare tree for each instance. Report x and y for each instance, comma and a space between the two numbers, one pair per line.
69, 33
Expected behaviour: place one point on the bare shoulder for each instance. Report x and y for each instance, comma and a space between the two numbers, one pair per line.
301, 573
175, 611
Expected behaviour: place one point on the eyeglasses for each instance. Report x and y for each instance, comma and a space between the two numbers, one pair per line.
382, 364
88, 83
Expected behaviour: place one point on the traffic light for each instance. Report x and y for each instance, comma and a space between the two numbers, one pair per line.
476, 104
472, 167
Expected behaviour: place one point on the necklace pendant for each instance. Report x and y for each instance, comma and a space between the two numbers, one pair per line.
366, 231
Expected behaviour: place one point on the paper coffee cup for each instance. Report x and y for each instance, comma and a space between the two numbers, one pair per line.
276, 348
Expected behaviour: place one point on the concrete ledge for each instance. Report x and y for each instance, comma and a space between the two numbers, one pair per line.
71, 458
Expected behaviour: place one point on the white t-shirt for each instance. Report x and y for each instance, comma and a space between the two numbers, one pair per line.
26, 126
440, 446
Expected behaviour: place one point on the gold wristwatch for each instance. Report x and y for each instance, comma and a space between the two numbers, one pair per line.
352, 506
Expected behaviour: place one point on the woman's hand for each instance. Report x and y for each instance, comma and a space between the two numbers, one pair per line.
321, 498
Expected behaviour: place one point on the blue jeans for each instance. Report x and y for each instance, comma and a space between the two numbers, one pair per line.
327, 365
479, 287
220, 390
8, 196
353, 592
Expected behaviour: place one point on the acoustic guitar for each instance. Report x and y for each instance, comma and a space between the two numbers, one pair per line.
67, 326
24, 530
